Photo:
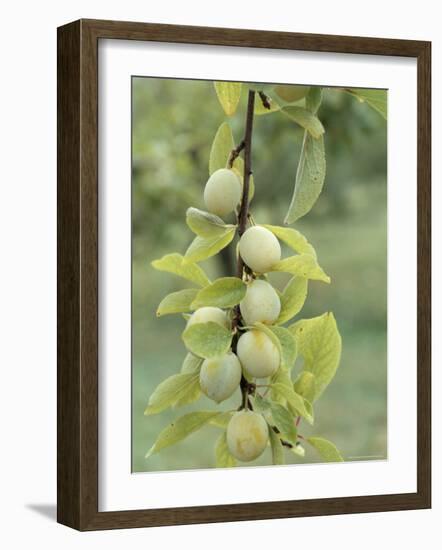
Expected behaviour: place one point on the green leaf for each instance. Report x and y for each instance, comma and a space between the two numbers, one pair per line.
310, 177
191, 364
326, 449
305, 385
169, 392
220, 153
292, 299
376, 99
294, 400
177, 302
306, 119
229, 94
261, 110
298, 450
205, 224
292, 238
174, 263
319, 342
290, 93
224, 293
260, 86
287, 345
284, 422
277, 448
202, 248
222, 420
314, 99
180, 429
309, 407
222, 146
207, 339
223, 457
303, 265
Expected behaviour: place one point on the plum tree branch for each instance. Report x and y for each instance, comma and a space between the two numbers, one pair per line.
243, 215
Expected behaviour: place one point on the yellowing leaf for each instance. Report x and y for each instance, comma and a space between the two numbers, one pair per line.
319, 342
306, 119
326, 449
287, 345
174, 263
191, 364
376, 99
277, 449
222, 420
284, 421
294, 400
292, 238
303, 265
180, 429
229, 94
207, 339
222, 146
305, 385
202, 248
192, 394
223, 457
169, 392
292, 299
177, 302
224, 293
281, 376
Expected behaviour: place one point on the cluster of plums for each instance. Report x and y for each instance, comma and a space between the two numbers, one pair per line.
256, 354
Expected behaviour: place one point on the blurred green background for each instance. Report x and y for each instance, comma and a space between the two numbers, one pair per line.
174, 122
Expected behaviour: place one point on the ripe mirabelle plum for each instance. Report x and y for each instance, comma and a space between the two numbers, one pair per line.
207, 314
259, 249
220, 376
247, 435
260, 304
258, 354
222, 192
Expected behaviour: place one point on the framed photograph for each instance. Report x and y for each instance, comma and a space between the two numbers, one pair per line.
243, 274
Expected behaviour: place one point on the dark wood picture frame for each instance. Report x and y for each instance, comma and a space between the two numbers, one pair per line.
77, 225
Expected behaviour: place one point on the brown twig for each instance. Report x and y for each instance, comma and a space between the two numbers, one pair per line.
246, 145
265, 100
234, 153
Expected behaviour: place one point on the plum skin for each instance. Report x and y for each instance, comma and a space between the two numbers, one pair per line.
247, 435
220, 376
258, 354
260, 304
259, 249
222, 192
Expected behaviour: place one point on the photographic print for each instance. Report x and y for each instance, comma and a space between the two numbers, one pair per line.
259, 274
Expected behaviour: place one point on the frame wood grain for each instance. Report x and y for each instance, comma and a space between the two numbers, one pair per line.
77, 224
